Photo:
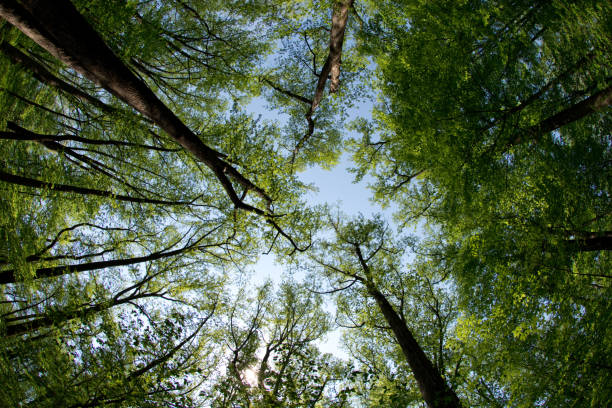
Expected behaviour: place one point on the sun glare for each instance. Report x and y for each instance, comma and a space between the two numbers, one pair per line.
250, 377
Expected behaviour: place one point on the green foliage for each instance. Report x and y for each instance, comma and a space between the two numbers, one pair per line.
99, 187
272, 357
478, 136
107, 361
490, 135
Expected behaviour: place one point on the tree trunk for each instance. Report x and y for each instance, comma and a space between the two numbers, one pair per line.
435, 391
332, 63
42, 75
29, 182
591, 241
331, 68
339, 20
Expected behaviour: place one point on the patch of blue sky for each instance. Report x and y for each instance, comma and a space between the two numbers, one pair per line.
335, 187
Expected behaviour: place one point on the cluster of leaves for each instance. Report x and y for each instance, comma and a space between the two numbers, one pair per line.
273, 360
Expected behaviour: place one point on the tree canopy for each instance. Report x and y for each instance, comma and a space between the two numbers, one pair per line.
138, 184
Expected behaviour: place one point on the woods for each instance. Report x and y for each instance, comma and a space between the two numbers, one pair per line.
139, 185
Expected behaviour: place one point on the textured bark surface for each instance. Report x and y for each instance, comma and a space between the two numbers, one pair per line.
44, 76
435, 391
339, 19
332, 63
330, 69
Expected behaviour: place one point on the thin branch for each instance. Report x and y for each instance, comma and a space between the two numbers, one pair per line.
34, 183
20, 133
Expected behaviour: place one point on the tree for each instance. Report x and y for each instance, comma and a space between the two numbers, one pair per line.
105, 360
272, 357
91, 194
94, 193
63, 32
364, 253
503, 150
135, 182
502, 73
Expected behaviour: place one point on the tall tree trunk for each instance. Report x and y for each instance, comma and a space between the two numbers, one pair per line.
435, 391
58, 27
332, 63
339, 20
330, 69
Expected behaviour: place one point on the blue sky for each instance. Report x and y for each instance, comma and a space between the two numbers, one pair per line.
335, 186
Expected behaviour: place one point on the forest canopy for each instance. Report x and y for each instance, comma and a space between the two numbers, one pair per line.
139, 186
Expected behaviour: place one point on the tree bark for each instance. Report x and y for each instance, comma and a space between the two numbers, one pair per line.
44, 76
591, 241
435, 391
59, 28
333, 61
339, 20
594, 103
331, 68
